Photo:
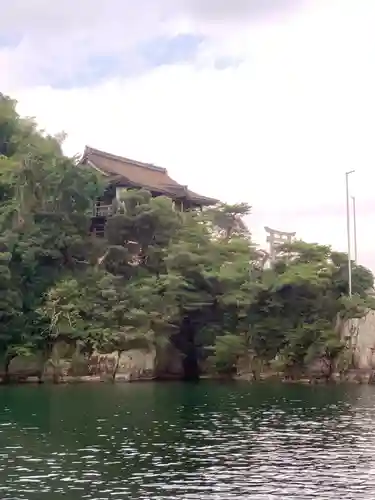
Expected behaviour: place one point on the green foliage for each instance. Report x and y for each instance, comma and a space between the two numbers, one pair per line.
194, 279
227, 350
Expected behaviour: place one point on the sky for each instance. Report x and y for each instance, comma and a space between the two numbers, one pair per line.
268, 102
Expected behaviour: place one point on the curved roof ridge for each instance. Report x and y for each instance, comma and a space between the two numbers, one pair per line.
89, 150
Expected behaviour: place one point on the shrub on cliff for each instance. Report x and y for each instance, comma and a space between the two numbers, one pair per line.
194, 279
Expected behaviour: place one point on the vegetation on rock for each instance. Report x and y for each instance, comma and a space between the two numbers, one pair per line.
159, 276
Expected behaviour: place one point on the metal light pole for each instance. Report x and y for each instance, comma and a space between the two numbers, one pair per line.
354, 230
348, 231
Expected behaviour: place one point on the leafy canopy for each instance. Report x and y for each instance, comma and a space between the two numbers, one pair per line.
193, 279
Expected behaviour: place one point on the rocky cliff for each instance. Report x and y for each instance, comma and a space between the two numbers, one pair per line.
360, 335
65, 365
127, 366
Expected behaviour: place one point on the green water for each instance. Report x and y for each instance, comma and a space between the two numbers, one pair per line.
183, 441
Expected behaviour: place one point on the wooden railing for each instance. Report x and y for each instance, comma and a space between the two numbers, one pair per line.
103, 210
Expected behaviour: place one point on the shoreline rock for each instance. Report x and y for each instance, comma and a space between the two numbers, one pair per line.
358, 376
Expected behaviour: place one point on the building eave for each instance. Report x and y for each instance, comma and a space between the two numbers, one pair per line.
167, 187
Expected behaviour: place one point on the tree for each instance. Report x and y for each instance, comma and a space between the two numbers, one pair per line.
294, 320
193, 279
211, 281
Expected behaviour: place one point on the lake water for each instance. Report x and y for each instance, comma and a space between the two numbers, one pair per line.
184, 441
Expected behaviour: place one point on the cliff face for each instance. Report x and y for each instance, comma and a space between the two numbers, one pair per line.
66, 364
167, 363
130, 365
360, 334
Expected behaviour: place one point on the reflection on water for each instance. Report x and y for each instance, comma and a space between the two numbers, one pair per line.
176, 441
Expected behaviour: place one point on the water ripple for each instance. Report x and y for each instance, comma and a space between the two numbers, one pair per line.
187, 442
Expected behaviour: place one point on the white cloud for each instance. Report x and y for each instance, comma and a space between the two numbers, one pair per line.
237, 10
52, 39
57, 39
279, 131
39, 18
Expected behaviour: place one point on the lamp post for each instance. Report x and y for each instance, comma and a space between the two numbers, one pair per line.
348, 230
354, 230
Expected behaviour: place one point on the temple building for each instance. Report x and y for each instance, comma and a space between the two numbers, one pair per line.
120, 173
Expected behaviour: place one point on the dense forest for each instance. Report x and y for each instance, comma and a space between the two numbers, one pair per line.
195, 280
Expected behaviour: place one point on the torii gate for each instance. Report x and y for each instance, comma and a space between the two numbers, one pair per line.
275, 238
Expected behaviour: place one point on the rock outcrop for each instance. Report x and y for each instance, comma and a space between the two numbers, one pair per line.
129, 365
360, 335
67, 364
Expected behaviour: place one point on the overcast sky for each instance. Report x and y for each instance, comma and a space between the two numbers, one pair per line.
263, 101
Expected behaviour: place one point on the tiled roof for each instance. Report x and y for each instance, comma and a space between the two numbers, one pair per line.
141, 174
